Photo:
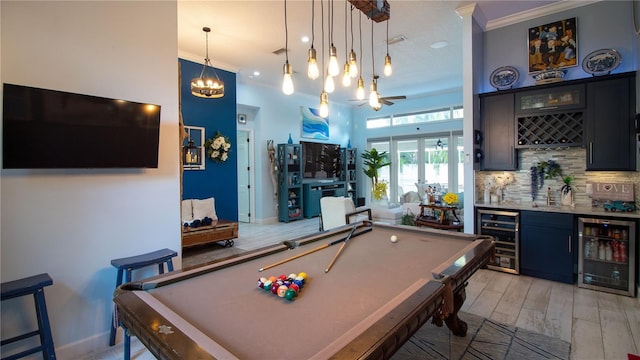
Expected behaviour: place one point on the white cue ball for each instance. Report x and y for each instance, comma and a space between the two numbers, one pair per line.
394, 238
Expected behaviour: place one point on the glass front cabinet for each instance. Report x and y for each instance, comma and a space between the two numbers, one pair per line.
606, 259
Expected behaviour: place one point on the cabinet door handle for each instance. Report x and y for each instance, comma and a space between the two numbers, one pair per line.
590, 152
569, 244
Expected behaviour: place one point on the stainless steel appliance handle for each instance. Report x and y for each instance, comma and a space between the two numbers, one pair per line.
569, 244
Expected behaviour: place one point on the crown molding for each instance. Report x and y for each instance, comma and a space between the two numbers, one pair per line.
537, 12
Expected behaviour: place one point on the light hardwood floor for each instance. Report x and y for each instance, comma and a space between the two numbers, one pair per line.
598, 325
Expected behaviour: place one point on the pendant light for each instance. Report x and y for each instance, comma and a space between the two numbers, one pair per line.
346, 78
287, 71
324, 97
324, 105
312, 69
207, 86
387, 59
329, 85
353, 62
360, 87
334, 68
374, 99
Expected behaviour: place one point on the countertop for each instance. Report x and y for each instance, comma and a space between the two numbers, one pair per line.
577, 210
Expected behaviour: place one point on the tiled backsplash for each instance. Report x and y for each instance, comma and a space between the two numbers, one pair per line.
572, 162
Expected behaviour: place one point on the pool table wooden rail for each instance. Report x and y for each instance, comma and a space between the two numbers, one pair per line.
378, 341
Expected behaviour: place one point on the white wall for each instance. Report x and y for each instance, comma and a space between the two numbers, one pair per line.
71, 223
276, 116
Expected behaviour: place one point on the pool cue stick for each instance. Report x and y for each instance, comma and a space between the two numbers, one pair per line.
340, 249
324, 246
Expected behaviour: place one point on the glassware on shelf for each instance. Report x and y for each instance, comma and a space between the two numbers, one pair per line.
615, 276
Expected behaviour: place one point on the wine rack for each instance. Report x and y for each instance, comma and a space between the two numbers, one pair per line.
550, 130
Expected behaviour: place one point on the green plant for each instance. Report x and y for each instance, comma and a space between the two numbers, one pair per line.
373, 162
567, 180
408, 219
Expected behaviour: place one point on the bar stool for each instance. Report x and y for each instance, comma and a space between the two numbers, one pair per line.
27, 286
125, 266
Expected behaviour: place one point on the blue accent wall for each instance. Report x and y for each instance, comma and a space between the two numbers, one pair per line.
218, 180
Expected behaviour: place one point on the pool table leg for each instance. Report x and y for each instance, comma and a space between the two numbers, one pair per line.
453, 322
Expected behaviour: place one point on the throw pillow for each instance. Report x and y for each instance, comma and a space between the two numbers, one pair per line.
204, 208
187, 211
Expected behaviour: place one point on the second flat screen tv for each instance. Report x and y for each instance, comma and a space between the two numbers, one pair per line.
49, 129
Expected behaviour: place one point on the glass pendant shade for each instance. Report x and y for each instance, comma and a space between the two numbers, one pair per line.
190, 154
346, 77
206, 86
329, 84
360, 89
287, 80
324, 105
387, 66
353, 65
334, 68
374, 100
312, 69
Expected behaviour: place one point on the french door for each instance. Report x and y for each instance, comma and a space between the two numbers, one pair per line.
434, 159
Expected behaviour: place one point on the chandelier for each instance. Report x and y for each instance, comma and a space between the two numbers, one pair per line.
206, 86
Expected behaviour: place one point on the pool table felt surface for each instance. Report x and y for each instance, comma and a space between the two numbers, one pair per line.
371, 276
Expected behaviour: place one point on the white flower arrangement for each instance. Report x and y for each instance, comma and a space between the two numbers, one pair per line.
503, 180
218, 147
498, 181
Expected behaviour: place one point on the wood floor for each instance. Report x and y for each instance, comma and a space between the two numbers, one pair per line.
598, 325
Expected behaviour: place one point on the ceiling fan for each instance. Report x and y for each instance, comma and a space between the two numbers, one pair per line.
383, 100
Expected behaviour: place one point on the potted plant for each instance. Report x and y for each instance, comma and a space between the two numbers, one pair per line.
566, 192
373, 162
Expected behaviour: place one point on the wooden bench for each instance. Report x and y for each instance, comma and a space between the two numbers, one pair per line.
220, 230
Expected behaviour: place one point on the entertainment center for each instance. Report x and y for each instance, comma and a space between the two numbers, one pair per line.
309, 171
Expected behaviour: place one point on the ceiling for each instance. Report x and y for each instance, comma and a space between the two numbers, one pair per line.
245, 34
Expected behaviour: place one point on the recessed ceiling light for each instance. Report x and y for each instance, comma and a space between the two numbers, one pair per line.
305, 39
439, 44
256, 73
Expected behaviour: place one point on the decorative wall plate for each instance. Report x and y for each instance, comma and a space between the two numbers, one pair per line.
549, 76
601, 62
504, 77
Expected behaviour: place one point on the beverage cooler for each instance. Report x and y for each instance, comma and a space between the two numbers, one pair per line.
503, 226
606, 260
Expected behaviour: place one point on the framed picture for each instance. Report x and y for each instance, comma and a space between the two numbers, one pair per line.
313, 125
553, 46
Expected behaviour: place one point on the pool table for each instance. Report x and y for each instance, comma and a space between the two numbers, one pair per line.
375, 296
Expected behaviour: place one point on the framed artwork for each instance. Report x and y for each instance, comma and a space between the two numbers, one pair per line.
553, 46
313, 125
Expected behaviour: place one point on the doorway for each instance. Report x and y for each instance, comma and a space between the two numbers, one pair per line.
245, 175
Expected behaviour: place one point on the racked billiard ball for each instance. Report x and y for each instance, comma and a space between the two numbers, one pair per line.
290, 294
267, 285
282, 290
274, 288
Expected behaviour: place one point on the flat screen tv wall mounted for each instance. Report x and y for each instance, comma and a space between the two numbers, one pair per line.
321, 161
49, 129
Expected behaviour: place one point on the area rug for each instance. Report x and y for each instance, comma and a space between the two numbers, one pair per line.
486, 339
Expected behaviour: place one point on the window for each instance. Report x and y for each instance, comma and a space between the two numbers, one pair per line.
378, 123
195, 134
455, 112
431, 158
